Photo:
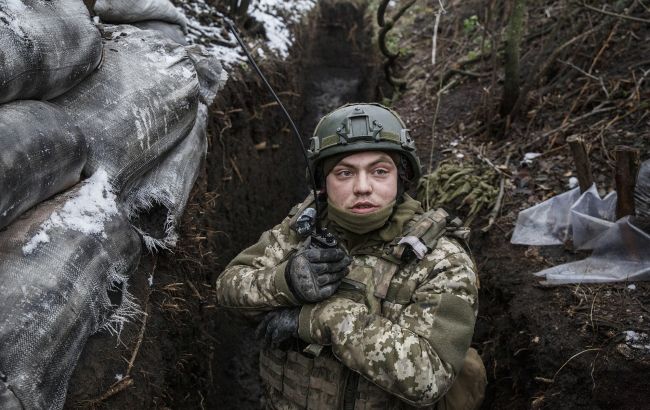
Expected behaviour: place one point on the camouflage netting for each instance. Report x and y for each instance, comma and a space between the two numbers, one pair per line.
468, 189
41, 153
64, 266
47, 47
138, 105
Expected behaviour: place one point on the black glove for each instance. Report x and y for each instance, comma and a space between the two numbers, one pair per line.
314, 274
278, 326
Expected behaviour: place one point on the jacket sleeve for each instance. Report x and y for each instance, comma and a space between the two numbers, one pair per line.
255, 278
418, 356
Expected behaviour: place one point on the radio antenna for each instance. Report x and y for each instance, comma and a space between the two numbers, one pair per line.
312, 180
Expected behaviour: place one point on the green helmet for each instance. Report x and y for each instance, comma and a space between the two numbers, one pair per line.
362, 127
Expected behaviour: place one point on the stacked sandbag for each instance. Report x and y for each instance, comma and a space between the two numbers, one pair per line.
63, 271
136, 106
41, 153
212, 76
46, 47
156, 203
158, 15
171, 31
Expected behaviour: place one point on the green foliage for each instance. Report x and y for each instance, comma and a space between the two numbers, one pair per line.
392, 42
470, 24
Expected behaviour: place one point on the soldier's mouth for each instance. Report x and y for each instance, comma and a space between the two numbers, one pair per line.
364, 207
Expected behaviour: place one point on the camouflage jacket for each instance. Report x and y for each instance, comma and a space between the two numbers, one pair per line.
410, 344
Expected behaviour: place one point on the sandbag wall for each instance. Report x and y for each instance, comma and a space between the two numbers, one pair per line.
100, 126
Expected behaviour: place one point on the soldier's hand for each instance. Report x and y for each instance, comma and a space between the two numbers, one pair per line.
278, 326
314, 274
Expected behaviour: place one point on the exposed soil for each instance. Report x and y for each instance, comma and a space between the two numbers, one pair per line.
544, 347
560, 347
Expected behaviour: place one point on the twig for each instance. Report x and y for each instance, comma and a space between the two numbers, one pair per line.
621, 16
583, 72
591, 67
234, 166
117, 387
573, 357
195, 290
126, 381
546, 66
144, 323
490, 163
470, 73
564, 127
434, 39
591, 311
499, 202
134, 355
433, 134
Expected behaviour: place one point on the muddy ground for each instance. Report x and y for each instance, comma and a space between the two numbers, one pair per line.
558, 348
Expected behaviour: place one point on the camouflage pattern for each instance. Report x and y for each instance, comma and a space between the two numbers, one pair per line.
255, 278
408, 347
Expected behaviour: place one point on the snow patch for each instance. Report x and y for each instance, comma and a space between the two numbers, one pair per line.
276, 17
85, 212
268, 12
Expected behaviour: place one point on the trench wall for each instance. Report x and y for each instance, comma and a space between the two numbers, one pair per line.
189, 353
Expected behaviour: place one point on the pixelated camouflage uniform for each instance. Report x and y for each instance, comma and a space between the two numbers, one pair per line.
408, 347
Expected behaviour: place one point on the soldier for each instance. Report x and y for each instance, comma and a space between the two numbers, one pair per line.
383, 320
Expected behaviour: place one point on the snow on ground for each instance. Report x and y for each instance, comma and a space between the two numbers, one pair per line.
276, 17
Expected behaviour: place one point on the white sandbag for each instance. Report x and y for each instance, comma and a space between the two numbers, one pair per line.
138, 105
547, 223
156, 203
591, 216
171, 31
46, 47
620, 254
41, 153
64, 267
131, 11
212, 76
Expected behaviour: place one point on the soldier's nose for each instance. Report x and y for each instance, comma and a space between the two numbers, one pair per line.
362, 185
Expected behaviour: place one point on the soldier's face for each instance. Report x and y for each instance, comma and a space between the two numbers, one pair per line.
363, 183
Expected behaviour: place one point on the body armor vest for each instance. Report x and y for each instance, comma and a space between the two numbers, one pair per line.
312, 378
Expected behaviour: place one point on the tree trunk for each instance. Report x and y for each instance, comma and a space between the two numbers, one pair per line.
512, 52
